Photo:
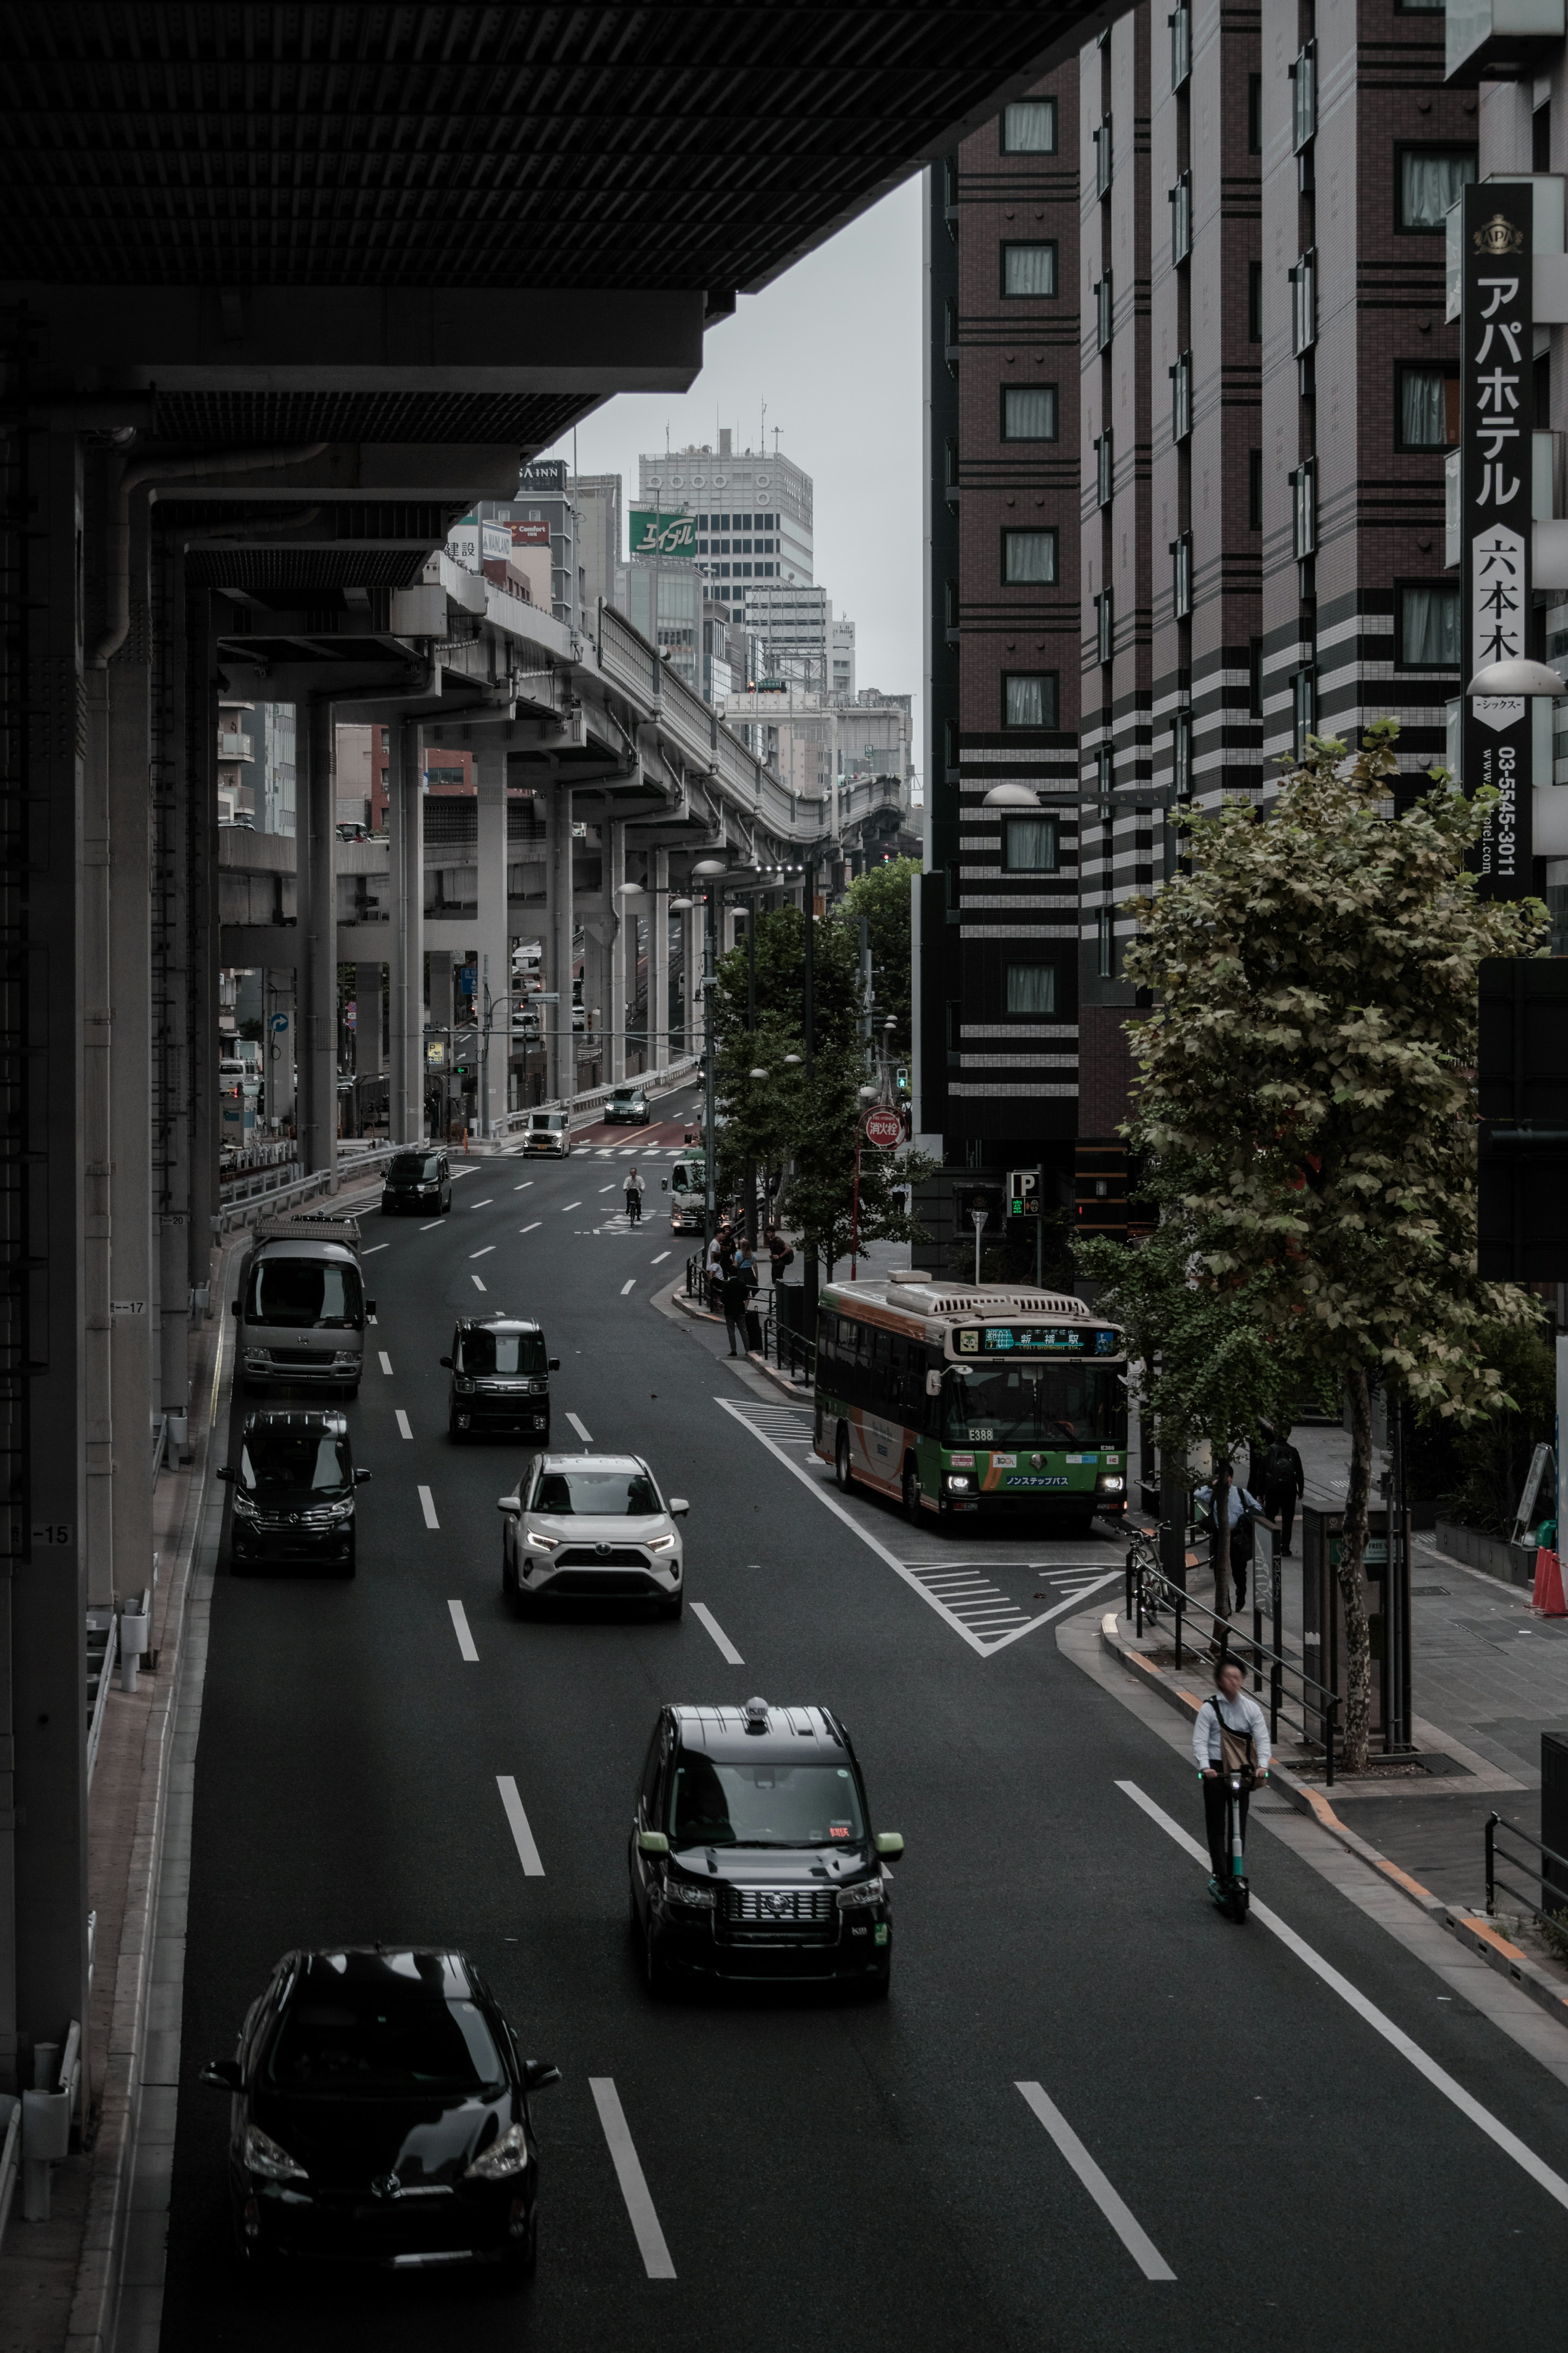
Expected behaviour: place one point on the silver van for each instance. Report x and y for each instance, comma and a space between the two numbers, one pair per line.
301, 1308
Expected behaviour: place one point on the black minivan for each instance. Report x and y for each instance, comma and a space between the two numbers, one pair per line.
294, 1494
500, 1379
417, 1180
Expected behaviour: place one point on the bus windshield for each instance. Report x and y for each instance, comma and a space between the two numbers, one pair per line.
1058, 1407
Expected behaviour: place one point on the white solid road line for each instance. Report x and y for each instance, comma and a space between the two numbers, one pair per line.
585, 1435
482, 1253
524, 1185
476, 1283
629, 1286
629, 2174
522, 1837
733, 1656
569, 1205
659, 1260
373, 1249
488, 1203
529, 1230
1116, 2211
431, 1227
386, 1361
402, 1424
1510, 2143
427, 1505
460, 1628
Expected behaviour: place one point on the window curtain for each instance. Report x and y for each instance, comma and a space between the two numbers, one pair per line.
1423, 409
1030, 127
1031, 844
1428, 185
1029, 699
1031, 989
1430, 628
1030, 412
1031, 556
1029, 270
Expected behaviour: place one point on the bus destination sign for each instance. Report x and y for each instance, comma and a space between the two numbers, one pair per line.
1025, 1340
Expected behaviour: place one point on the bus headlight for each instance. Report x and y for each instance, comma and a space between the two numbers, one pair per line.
1110, 1486
958, 1482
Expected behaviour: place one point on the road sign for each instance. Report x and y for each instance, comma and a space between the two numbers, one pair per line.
1023, 1193
884, 1127
977, 1219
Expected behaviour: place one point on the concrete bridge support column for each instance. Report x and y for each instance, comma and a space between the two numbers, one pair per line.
657, 913
492, 995
406, 990
317, 932
622, 951
560, 922
132, 1264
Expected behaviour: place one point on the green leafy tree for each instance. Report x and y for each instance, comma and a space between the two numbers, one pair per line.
883, 896
1315, 980
781, 979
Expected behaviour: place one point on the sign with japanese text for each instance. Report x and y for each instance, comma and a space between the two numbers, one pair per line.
1497, 331
662, 534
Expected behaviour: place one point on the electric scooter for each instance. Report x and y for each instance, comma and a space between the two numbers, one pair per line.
1231, 1893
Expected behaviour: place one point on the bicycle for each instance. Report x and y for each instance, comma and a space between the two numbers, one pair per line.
1145, 1577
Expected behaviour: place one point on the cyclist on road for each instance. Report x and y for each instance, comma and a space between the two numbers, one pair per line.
634, 1197
1230, 1730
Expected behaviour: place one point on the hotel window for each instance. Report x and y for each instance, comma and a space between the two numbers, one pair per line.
1254, 301
1105, 943
1254, 489
1104, 469
1102, 156
1031, 989
1182, 218
1304, 98
1029, 698
1304, 510
1254, 114
1030, 127
1182, 397
1304, 304
1029, 845
1304, 708
1104, 312
1430, 179
1029, 412
1029, 270
1104, 625
1181, 753
1428, 631
1181, 46
1029, 557
1181, 576
1428, 407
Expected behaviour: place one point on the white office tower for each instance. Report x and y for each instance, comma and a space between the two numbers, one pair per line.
793, 630
753, 512
598, 498
843, 679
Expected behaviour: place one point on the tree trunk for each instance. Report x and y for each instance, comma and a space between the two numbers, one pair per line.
1221, 1548
1357, 1719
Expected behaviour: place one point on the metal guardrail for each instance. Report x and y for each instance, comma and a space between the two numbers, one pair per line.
626, 654
1555, 1912
239, 1211
671, 1075
109, 1630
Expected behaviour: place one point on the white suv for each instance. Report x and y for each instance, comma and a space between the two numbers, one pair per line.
592, 1526
548, 1131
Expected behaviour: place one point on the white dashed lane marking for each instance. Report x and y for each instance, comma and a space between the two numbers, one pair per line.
482, 1253
386, 1361
569, 1205
1114, 2208
460, 1628
488, 1203
476, 1283
531, 1229
431, 1227
403, 1428
640, 2209
659, 1260
516, 1820
585, 1435
427, 1505
374, 1248
727, 1648
629, 1286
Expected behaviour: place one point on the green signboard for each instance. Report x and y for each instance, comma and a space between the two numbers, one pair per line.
662, 534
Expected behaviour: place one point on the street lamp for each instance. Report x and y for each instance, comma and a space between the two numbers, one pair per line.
1011, 796
705, 868
1516, 679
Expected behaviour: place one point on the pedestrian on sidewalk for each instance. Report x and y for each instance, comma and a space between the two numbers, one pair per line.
1232, 1562
780, 1254
735, 1292
634, 1197
1284, 1483
1230, 1730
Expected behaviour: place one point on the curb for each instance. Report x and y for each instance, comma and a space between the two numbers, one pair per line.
1477, 1934
781, 1381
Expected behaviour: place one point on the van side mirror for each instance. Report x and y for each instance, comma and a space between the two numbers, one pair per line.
555, 1364
226, 1471
446, 1363
652, 1843
362, 1478
234, 1307
891, 1845
222, 2074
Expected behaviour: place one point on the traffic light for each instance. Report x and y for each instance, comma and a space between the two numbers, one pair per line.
1024, 1193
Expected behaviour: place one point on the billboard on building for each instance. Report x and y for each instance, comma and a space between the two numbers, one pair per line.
662, 534
529, 535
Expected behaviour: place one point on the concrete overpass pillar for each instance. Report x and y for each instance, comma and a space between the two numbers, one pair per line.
492, 996
560, 1080
97, 1152
132, 1264
318, 933
173, 784
406, 1011
367, 1021
623, 930
43, 1666
691, 971
658, 958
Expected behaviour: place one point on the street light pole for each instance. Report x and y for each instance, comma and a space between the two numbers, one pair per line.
811, 1271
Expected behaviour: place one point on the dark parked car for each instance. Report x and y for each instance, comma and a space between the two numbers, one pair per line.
380, 2115
752, 1855
417, 1180
628, 1103
500, 1379
294, 1492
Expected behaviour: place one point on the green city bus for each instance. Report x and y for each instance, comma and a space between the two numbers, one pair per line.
962, 1398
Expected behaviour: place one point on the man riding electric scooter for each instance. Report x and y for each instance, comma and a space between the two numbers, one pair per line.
1231, 1746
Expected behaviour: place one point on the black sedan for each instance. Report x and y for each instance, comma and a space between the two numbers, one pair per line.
417, 1180
380, 2115
752, 1855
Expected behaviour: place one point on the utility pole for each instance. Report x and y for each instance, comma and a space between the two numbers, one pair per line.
811, 1271
751, 1028
709, 1207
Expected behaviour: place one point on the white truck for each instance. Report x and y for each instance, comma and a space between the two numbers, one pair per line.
301, 1308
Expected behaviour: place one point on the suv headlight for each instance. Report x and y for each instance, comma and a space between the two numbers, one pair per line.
244, 1509
682, 1891
861, 1897
536, 1543
261, 2154
463, 1385
505, 2156
661, 1543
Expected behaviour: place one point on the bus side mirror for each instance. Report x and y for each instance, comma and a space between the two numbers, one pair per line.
234, 1307
370, 1307
933, 1384
663, 1187
446, 1364
555, 1364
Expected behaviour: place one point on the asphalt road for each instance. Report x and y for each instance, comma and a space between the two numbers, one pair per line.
821, 2170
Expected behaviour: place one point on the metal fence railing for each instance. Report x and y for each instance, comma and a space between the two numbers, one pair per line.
1550, 1902
670, 1075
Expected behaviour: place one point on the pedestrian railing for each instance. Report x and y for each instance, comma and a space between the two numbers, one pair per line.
1550, 1901
792, 1352
1291, 1691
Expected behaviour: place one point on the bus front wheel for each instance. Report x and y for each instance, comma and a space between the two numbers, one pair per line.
911, 1495
842, 1472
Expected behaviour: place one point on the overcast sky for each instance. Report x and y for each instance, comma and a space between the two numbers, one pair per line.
834, 348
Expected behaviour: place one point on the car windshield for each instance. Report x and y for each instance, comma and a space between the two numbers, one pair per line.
763, 1805
1050, 1406
548, 1123
305, 1291
602, 1493
278, 1462
421, 1167
501, 1352
356, 2039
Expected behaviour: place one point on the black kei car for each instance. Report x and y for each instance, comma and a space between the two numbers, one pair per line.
294, 1494
417, 1180
500, 1379
752, 1855
380, 2115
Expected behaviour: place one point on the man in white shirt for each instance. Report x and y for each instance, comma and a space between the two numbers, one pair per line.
1229, 1708
1238, 1503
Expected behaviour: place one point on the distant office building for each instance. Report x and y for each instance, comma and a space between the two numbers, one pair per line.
236, 763
542, 522
662, 598
794, 629
815, 742
597, 498
843, 654
728, 662
275, 790
738, 500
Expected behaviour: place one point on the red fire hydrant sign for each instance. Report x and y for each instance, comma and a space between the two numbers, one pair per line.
884, 1127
